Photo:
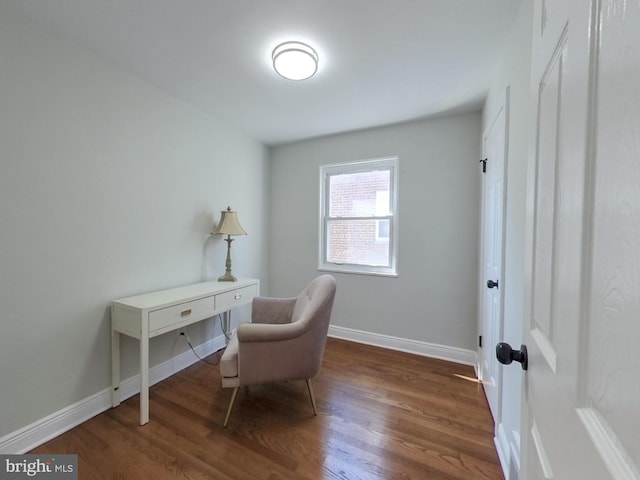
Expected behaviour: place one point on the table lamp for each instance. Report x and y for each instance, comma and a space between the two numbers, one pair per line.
229, 225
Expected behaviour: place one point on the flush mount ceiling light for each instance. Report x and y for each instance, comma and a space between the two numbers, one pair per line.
295, 60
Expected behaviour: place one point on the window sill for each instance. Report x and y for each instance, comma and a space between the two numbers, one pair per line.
356, 271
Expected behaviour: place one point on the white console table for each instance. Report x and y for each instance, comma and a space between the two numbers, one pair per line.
152, 314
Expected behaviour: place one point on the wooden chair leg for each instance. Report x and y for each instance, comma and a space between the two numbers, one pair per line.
313, 397
231, 402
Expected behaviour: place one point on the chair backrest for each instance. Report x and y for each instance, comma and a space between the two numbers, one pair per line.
316, 299
313, 307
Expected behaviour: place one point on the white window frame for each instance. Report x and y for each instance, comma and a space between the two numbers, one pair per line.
326, 171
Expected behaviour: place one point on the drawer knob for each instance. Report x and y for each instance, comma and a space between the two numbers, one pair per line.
238, 296
185, 313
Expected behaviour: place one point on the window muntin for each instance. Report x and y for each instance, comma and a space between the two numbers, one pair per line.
358, 220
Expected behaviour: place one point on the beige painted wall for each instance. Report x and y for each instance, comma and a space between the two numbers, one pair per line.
108, 188
433, 299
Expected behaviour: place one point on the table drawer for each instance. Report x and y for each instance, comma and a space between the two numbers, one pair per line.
184, 313
240, 296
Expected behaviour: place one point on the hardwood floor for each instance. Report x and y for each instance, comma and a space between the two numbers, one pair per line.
381, 415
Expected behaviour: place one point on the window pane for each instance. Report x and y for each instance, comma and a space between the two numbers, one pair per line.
361, 194
357, 213
358, 242
383, 230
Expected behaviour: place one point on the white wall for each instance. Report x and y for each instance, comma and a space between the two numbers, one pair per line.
108, 187
514, 73
434, 297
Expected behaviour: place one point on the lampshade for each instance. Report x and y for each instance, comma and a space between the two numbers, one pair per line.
229, 224
295, 60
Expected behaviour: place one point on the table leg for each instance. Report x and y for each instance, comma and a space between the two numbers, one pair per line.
115, 368
144, 379
227, 326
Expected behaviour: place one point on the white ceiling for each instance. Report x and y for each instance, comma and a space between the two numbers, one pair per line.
381, 61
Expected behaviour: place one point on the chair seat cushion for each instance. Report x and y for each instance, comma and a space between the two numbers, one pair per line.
229, 360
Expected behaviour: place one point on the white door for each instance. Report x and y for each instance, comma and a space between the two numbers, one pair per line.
582, 388
491, 271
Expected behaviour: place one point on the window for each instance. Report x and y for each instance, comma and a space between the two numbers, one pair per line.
358, 216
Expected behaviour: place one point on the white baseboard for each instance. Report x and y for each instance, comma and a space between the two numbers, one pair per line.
502, 447
508, 453
442, 352
29, 437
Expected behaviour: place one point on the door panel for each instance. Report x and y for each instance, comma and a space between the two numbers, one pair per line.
583, 218
612, 400
492, 228
547, 164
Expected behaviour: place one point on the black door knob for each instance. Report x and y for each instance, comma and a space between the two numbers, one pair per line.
506, 355
492, 284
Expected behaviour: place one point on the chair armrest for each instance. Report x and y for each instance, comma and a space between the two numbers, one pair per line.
272, 310
272, 353
265, 332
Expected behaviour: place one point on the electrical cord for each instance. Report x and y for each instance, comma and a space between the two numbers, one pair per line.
226, 334
198, 356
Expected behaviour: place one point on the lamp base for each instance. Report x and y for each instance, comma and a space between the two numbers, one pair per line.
227, 277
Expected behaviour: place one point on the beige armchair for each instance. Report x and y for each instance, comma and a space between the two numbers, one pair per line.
284, 341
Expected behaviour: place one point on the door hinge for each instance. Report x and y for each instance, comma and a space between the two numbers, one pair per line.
480, 341
484, 165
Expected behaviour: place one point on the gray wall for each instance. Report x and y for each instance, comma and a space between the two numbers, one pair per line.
433, 299
514, 73
108, 187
